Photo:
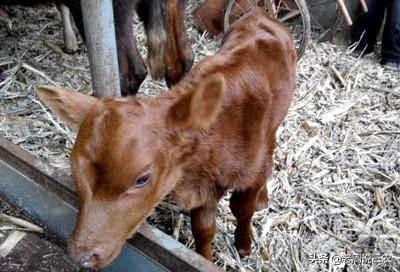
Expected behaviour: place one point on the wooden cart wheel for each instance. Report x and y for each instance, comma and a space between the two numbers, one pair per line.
325, 18
293, 13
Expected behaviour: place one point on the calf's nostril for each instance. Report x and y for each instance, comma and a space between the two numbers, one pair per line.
89, 261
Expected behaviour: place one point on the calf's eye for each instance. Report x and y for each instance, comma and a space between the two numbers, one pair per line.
141, 181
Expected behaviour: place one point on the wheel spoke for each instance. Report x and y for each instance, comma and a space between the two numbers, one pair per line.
289, 15
278, 7
239, 6
270, 6
312, 5
315, 21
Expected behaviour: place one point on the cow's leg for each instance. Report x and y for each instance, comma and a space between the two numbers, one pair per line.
203, 229
131, 65
243, 205
152, 13
178, 57
75, 9
71, 44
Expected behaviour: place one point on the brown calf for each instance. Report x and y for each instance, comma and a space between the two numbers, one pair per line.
213, 132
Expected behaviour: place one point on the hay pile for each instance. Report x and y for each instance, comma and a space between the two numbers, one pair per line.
13, 229
335, 188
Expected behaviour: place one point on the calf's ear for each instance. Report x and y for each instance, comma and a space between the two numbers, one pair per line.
199, 108
69, 105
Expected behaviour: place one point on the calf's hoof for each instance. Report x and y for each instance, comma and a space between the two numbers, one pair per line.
243, 250
243, 242
71, 44
130, 84
71, 49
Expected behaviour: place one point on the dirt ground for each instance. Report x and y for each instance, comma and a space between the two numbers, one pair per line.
35, 251
334, 193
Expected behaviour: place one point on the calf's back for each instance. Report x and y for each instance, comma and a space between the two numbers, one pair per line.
258, 61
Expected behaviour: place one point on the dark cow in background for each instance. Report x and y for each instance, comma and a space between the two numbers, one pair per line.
70, 41
209, 16
169, 51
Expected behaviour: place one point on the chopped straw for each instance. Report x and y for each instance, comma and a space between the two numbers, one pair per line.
21, 223
12, 240
335, 185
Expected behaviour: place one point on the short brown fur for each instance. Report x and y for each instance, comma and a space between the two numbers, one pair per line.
213, 132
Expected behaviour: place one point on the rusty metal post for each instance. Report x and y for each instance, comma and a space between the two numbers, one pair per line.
98, 21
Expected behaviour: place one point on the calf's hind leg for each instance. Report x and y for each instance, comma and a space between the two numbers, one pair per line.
262, 200
243, 205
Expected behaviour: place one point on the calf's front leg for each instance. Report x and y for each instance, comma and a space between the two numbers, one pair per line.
243, 205
203, 229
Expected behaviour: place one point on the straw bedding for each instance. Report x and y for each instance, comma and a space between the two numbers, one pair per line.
335, 188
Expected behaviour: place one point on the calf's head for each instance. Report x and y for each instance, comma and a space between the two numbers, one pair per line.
127, 156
